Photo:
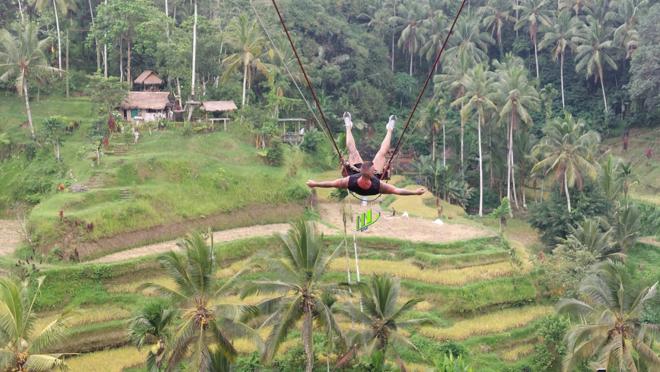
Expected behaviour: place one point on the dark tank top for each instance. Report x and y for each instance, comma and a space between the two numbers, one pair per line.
354, 187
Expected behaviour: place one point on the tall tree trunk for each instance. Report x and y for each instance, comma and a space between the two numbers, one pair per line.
121, 60
105, 55
307, 340
481, 169
178, 89
20, 10
513, 168
568, 196
59, 37
508, 164
462, 144
444, 144
561, 79
245, 72
27, 107
96, 41
410, 72
433, 140
167, 14
602, 87
194, 51
393, 51
129, 78
536, 59
67, 64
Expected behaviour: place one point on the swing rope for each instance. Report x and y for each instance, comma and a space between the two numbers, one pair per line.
309, 83
399, 142
286, 65
426, 83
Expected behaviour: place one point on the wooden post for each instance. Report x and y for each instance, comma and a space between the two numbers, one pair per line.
224, 123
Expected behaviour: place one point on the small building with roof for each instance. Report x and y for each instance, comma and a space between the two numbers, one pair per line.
148, 80
147, 106
218, 111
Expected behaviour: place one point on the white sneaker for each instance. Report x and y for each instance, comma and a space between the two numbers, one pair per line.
391, 122
347, 120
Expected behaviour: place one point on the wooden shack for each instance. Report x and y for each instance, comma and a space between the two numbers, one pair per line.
148, 81
218, 111
147, 106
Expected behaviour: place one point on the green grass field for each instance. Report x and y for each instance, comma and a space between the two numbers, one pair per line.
166, 178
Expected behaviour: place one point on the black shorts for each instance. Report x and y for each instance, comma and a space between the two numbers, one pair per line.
355, 169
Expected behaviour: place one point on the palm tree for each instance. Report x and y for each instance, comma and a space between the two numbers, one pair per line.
380, 321
478, 97
626, 13
435, 23
385, 21
453, 78
517, 97
411, 38
202, 331
299, 288
611, 329
567, 149
574, 5
627, 226
608, 179
627, 178
469, 41
594, 49
560, 36
245, 37
22, 58
21, 345
589, 235
495, 15
151, 326
535, 13
60, 7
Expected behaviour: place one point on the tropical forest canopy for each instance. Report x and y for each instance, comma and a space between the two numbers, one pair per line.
536, 140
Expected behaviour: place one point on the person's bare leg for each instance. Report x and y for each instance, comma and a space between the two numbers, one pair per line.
353, 153
381, 155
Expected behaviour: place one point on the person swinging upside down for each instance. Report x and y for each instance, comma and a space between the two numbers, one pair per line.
365, 175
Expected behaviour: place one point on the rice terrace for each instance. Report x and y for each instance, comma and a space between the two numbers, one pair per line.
329, 185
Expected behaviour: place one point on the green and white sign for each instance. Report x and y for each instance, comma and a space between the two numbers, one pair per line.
366, 219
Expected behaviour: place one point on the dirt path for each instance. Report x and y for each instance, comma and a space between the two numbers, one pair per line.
10, 236
407, 228
218, 237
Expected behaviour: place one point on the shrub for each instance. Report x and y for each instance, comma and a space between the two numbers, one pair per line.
297, 192
551, 216
275, 154
549, 352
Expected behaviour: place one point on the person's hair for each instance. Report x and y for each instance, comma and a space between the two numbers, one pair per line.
367, 164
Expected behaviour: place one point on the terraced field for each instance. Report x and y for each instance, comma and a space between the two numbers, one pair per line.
472, 290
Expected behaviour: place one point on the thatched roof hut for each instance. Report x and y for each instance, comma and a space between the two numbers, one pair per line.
146, 105
218, 106
149, 80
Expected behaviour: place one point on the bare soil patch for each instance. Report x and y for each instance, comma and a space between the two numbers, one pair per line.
254, 215
10, 236
398, 227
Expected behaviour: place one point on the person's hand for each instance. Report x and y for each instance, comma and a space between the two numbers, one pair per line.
311, 184
420, 191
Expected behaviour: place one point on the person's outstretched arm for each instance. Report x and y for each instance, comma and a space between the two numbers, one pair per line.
389, 189
339, 183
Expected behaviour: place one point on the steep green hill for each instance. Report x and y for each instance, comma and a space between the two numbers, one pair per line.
168, 177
